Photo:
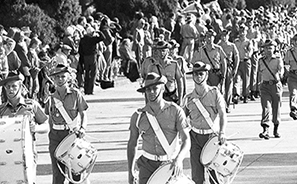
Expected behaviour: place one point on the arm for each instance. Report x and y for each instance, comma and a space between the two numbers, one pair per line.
180, 84
132, 147
223, 117
236, 60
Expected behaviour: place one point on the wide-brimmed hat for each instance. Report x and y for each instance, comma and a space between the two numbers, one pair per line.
174, 44
210, 32
225, 32
268, 43
65, 47
161, 45
12, 76
60, 68
199, 66
151, 80
26, 29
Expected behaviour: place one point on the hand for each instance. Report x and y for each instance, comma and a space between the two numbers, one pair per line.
132, 178
81, 132
222, 138
177, 165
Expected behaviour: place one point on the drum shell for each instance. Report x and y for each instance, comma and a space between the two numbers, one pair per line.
163, 175
16, 150
77, 154
225, 159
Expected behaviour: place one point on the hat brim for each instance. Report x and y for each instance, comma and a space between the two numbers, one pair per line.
61, 71
142, 89
9, 79
198, 70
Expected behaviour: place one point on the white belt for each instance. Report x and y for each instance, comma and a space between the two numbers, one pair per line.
60, 127
202, 131
155, 157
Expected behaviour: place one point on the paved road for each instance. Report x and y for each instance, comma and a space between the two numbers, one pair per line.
271, 161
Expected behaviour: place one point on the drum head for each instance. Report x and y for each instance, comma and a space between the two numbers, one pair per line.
65, 145
161, 175
209, 150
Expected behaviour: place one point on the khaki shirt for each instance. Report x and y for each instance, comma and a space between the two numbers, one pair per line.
73, 102
276, 65
171, 119
24, 107
245, 48
290, 60
170, 70
231, 51
216, 55
212, 100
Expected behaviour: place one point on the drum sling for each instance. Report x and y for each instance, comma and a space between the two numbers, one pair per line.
160, 135
70, 123
204, 113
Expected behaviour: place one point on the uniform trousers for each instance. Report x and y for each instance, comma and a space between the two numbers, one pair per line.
254, 82
228, 86
244, 72
188, 44
146, 168
292, 86
197, 143
271, 98
55, 138
90, 66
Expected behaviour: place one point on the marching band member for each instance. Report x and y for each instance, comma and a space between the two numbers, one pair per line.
64, 103
271, 68
170, 119
291, 60
16, 104
206, 99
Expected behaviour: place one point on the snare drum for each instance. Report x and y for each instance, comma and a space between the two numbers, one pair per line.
163, 175
77, 155
16, 150
225, 159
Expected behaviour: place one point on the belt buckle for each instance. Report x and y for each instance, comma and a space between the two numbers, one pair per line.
270, 82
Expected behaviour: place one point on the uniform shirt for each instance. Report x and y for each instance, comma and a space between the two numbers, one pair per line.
24, 107
230, 50
73, 103
290, 60
276, 66
170, 70
189, 31
216, 55
171, 119
212, 100
255, 36
244, 48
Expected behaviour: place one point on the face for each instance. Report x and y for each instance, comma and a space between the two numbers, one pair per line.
12, 88
209, 39
224, 37
61, 79
162, 53
199, 76
269, 50
152, 92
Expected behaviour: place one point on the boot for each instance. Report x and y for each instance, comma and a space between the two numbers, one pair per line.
235, 99
253, 96
245, 99
275, 132
293, 114
265, 133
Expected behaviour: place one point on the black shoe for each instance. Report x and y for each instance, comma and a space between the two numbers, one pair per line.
245, 99
252, 96
257, 94
235, 99
275, 131
265, 133
228, 110
293, 114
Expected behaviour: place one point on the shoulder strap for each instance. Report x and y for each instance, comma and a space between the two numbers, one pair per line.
71, 123
204, 112
161, 137
293, 55
208, 58
269, 69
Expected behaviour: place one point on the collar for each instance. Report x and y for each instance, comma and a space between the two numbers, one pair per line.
21, 102
147, 108
213, 47
195, 94
68, 91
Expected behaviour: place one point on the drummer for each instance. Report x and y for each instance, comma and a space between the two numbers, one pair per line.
15, 104
203, 129
172, 121
74, 104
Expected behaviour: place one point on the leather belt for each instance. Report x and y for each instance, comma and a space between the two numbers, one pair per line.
60, 127
293, 72
270, 82
155, 157
202, 131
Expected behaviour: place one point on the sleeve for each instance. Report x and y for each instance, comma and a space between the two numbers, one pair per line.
39, 116
287, 57
181, 119
9, 45
82, 104
23, 57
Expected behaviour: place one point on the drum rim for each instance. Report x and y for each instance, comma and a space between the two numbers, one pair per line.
60, 145
162, 166
203, 150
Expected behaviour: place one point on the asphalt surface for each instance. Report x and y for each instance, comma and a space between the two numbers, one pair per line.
271, 161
